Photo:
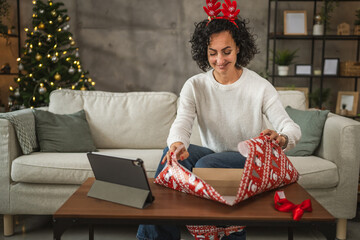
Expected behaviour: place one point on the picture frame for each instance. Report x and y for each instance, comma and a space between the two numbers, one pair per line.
347, 103
305, 90
331, 66
303, 69
295, 22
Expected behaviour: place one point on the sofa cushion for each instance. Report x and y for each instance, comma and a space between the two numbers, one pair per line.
63, 132
134, 120
316, 172
72, 168
311, 123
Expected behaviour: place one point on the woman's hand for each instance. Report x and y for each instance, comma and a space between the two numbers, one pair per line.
177, 151
281, 140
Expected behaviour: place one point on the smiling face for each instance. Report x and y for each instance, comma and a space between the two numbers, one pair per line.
222, 52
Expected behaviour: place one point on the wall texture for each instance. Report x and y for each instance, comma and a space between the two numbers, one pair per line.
142, 45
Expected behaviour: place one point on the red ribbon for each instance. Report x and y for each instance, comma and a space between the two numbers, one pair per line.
284, 205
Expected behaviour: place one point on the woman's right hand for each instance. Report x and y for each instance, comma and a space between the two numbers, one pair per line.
177, 151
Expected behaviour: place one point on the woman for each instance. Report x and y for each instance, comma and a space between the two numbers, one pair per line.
229, 102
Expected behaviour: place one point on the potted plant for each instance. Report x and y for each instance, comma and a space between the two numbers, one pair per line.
315, 97
283, 58
4, 12
357, 23
326, 11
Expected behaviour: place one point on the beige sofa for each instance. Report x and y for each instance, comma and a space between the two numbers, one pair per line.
136, 125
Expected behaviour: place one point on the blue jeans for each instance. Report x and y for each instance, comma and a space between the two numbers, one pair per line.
199, 157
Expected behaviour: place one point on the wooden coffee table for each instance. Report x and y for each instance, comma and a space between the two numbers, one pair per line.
173, 207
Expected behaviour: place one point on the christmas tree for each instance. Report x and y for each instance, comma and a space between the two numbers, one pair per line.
50, 59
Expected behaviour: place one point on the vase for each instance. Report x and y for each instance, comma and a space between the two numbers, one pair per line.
283, 70
318, 29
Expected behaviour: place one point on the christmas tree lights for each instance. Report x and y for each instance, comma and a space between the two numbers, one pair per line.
50, 59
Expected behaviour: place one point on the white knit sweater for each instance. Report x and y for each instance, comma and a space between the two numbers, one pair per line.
229, 114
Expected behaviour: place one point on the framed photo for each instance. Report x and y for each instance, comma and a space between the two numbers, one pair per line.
331, 66
301, 89
295, 23
303, 69
347, 103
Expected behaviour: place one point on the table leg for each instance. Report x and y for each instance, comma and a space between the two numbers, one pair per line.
290, 233
91, 232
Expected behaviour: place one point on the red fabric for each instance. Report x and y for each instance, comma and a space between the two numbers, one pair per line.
208, 232
229, 10
284, 205
266, 168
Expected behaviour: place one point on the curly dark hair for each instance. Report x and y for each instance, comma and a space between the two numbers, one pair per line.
200, 41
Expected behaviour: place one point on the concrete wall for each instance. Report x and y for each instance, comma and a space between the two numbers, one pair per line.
142, 45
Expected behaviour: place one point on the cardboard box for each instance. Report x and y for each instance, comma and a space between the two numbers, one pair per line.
226, 181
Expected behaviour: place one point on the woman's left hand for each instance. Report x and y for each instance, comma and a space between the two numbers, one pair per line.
281, 140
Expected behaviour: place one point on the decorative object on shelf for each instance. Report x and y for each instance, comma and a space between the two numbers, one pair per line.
284, 58
5, 69
350, 68
318, 28
49, 61
343, 29
295, 22
303, 69
347, 101
331, 66
317, 71
315, 100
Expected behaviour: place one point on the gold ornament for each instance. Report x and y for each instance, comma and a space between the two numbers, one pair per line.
83, 88
38, 57
67, 18
72, 43
57, 77
41, 26
53, 13
59, 19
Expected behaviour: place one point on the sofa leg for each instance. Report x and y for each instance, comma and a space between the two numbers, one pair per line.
8, 225
341, 228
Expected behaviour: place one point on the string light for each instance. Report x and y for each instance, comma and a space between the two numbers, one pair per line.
51, 83
19, 79
34, 2
30, 75
73, 87
48, 56
56, 54
51, 22
18, 59
35, 28
93, 83
34, 98
41, 85
68, 59
65, 52
55, 46
39, 44
11, 88
26, 29
40, 65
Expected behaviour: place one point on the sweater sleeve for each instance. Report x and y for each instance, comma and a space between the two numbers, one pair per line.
180, 130
278, 117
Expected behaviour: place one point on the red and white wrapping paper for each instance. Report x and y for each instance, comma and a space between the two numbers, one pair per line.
266, 168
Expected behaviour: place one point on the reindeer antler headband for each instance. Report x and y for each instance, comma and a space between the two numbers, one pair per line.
229, 10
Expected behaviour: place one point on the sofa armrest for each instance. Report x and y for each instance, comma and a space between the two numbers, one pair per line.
340, 144
9, 150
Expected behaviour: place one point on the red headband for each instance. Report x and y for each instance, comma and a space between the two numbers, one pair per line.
229, 10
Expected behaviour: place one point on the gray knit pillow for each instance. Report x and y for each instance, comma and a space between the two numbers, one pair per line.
24, 123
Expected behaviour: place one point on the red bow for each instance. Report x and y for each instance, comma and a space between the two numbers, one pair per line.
284, 205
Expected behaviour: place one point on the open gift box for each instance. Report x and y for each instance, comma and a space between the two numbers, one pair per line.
266, 168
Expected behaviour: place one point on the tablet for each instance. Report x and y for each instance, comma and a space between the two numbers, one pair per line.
120, 180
